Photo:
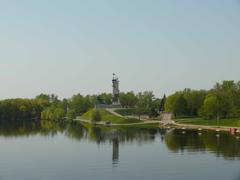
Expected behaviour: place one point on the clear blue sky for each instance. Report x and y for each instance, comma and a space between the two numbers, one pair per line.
72, 46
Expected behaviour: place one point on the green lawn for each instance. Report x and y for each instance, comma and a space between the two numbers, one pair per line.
107, 116
200, 121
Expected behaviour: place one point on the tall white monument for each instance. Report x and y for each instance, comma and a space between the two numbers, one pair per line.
116, 91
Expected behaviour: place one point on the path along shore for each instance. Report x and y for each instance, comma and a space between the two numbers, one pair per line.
115, 124
167, 122
163, 125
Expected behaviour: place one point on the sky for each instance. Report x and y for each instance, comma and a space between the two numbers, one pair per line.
73, 46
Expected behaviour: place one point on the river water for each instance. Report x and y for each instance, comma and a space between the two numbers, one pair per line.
50, 151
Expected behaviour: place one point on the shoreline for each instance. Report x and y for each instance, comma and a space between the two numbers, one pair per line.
162, 125
103, 123
167, 121
204, 127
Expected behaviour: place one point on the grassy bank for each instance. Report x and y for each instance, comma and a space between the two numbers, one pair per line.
201, 121
107, 116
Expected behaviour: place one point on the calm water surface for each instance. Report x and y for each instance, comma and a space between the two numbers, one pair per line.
48, 151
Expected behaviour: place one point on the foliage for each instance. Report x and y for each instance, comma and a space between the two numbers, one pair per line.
49, 107
155, 107
128, 100
162, 103
171, 101
80, 104
145, 101
180, 106
104, 98
19, 109
194, 101
187, 102
222, 101
53, 114
71, 114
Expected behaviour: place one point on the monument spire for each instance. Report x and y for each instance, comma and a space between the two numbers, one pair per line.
116, 91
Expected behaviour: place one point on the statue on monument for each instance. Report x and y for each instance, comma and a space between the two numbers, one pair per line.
116, 91
115, 96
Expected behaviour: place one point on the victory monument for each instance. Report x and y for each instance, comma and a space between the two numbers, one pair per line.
115, 96
116, 91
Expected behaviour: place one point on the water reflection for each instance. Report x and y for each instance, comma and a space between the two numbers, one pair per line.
191, 141
224, 145
115, 151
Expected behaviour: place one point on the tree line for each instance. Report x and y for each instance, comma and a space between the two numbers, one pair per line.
222, 101
50, 107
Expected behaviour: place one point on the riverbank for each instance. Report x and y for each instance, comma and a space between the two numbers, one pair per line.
231, 122
200, 124
203, 127
166, 122
102, 123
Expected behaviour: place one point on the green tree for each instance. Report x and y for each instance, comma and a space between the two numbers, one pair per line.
210, 107
155, 108
80, 104
43, 100
171, 101
180, 107
58, 114
194, 100
105, 98
162, 103
216, 105
187, 102
128, 100
145, 101
71, 114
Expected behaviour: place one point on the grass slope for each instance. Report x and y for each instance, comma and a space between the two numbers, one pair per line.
200, 121
107, 116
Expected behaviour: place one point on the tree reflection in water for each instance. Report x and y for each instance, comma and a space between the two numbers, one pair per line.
226, 146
